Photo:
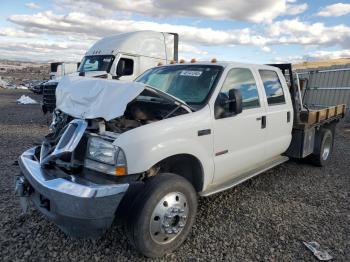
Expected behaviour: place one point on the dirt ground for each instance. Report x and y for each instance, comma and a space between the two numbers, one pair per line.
264, 219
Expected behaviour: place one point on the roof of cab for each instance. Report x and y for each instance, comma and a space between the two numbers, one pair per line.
227, 64
148, 43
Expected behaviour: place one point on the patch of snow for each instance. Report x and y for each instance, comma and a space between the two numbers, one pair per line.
3, 83
22, 87
26, 100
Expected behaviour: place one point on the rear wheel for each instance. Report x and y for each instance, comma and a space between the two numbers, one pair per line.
162, 215
323, 148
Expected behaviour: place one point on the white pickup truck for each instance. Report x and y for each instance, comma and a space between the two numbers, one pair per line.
145, 150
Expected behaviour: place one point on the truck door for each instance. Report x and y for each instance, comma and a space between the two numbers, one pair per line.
279, 112
239, 140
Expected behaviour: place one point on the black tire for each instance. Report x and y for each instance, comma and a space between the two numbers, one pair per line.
138, 223
323, 142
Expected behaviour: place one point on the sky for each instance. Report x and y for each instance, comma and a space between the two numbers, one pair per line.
253, 31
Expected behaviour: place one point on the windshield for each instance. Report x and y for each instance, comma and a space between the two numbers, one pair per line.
96, 63
190, 83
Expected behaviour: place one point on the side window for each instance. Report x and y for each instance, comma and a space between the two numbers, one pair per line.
273, 87
128, 66
243, 79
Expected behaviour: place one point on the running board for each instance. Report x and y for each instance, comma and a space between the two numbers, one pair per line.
245, 176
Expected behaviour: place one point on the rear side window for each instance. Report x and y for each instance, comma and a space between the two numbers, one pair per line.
242, 79
273, 87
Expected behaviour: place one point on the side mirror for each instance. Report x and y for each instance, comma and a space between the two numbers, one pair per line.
121, 68
228, 105
235, 101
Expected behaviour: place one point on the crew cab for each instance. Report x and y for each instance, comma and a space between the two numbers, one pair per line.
145, 150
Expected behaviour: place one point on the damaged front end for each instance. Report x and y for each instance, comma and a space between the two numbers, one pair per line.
81, 202
78, 176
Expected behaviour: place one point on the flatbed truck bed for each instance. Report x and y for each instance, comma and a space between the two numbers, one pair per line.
310, 121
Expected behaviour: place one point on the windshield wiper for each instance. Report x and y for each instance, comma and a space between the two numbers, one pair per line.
168, 97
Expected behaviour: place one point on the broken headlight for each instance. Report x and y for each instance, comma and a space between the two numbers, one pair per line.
105, 157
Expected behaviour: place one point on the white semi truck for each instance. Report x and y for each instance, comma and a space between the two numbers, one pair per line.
145, 150
122, 57
59, 69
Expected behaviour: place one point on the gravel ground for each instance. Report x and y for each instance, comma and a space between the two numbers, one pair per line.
264, 219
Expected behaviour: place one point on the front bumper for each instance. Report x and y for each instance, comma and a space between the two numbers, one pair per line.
78, 206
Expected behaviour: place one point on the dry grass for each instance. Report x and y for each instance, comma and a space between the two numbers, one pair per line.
324, 63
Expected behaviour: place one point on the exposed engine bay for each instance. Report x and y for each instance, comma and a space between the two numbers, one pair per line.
141, 111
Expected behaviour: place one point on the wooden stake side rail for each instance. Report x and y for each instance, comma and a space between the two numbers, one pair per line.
317, 115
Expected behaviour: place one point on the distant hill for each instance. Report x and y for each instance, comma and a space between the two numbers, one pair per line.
19, 71
324, 63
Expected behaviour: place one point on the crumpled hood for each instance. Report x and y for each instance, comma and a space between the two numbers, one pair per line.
89, 98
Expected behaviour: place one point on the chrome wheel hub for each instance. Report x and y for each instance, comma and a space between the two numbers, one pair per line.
169, 217
326, 148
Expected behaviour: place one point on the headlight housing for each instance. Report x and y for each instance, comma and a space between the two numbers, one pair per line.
101, 150
105, 157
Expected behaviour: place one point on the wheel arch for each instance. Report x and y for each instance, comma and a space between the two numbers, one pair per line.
185, 165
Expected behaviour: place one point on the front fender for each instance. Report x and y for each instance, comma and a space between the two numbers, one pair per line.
147, 145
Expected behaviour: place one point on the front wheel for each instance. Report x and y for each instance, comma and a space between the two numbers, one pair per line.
163, 215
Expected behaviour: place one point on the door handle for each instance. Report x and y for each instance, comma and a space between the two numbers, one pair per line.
263, 121
288, 116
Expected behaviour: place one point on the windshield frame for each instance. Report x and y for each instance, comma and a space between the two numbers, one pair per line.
104, 56
205, 101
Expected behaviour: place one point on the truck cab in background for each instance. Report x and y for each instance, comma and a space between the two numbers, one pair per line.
121, 57
59, 69
126, 56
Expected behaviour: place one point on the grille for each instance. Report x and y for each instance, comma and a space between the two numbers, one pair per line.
67, 136
67, 143
49, 96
